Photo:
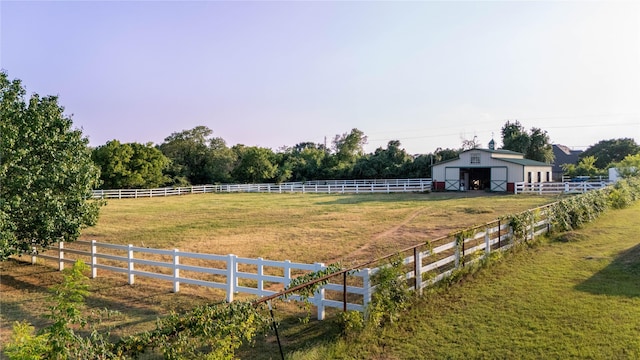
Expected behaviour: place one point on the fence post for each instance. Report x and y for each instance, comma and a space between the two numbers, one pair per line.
94, 260
487, 242
319, 296
120, 194
34, 255
457, 262
417, 266
260, 275
61, 256
231, 278
366, 285
286, 273
344, 289
131, 267
176, 271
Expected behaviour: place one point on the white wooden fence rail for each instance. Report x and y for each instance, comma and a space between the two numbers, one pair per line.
427, 267
319, 186
559, 188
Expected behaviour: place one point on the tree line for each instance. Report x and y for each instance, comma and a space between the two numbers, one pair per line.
196, 157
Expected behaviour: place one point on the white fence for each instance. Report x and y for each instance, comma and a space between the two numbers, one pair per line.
559, 188
230, 273
429, 263
318, 186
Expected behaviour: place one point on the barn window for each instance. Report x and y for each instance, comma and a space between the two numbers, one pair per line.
475, 158
548, 176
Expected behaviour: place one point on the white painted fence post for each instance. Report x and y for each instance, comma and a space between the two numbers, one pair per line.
130, 261
34, 255
231, 278
417, 265
61, 256
287, 273
260, 271
366, 285
319, 296
176, 271
94, 260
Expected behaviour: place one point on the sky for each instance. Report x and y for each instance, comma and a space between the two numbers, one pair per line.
278, 73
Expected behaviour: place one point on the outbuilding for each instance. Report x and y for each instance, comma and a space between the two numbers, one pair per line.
490, 170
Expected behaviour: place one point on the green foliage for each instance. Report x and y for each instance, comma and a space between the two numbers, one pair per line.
585, 167
391, 296
60, 340
46, 170
198, 157
610, 151
207, 332
130, 166
629, 166
255, 164
351, 322
25, 344
309, 291
571, 213
535, 145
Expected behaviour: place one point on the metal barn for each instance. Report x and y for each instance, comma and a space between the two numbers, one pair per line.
490, 170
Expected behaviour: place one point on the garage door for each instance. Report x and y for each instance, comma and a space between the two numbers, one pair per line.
452, 179
499, 179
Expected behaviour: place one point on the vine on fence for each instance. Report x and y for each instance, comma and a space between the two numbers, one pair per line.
310, 290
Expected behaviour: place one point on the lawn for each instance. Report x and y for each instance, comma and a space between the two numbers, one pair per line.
574, 296
299, 227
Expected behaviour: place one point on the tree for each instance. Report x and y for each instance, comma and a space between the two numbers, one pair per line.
46, 172
629, 166
539, 147
610, 151
586, 167
383, 163
198, 157
255, 164
348, 148
534, 145
130, 166
515, 137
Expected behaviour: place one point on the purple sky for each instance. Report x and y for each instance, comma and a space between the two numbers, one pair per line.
275, 74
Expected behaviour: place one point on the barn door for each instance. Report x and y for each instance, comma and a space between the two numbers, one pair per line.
452, 179
499, 179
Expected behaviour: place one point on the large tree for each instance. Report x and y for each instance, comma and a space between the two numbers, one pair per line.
198, 157
255, 164
130, 166
46, 172
534, 145
610, 151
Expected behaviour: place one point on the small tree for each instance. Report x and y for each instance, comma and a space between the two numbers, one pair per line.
46, 173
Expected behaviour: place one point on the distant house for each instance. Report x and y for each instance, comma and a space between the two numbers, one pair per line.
563, 155
491, 170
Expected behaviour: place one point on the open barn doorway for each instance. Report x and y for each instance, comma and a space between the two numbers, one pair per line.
476, 178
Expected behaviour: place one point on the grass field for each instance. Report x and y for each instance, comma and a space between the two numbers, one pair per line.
576, 296
299, 227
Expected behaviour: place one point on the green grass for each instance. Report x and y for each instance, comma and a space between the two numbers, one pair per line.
576, 296
298, 227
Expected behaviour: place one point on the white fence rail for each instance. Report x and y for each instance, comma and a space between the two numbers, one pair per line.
260, 277
318, 186
559, 188
230, 273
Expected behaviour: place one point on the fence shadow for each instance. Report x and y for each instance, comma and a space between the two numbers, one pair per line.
620, 278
